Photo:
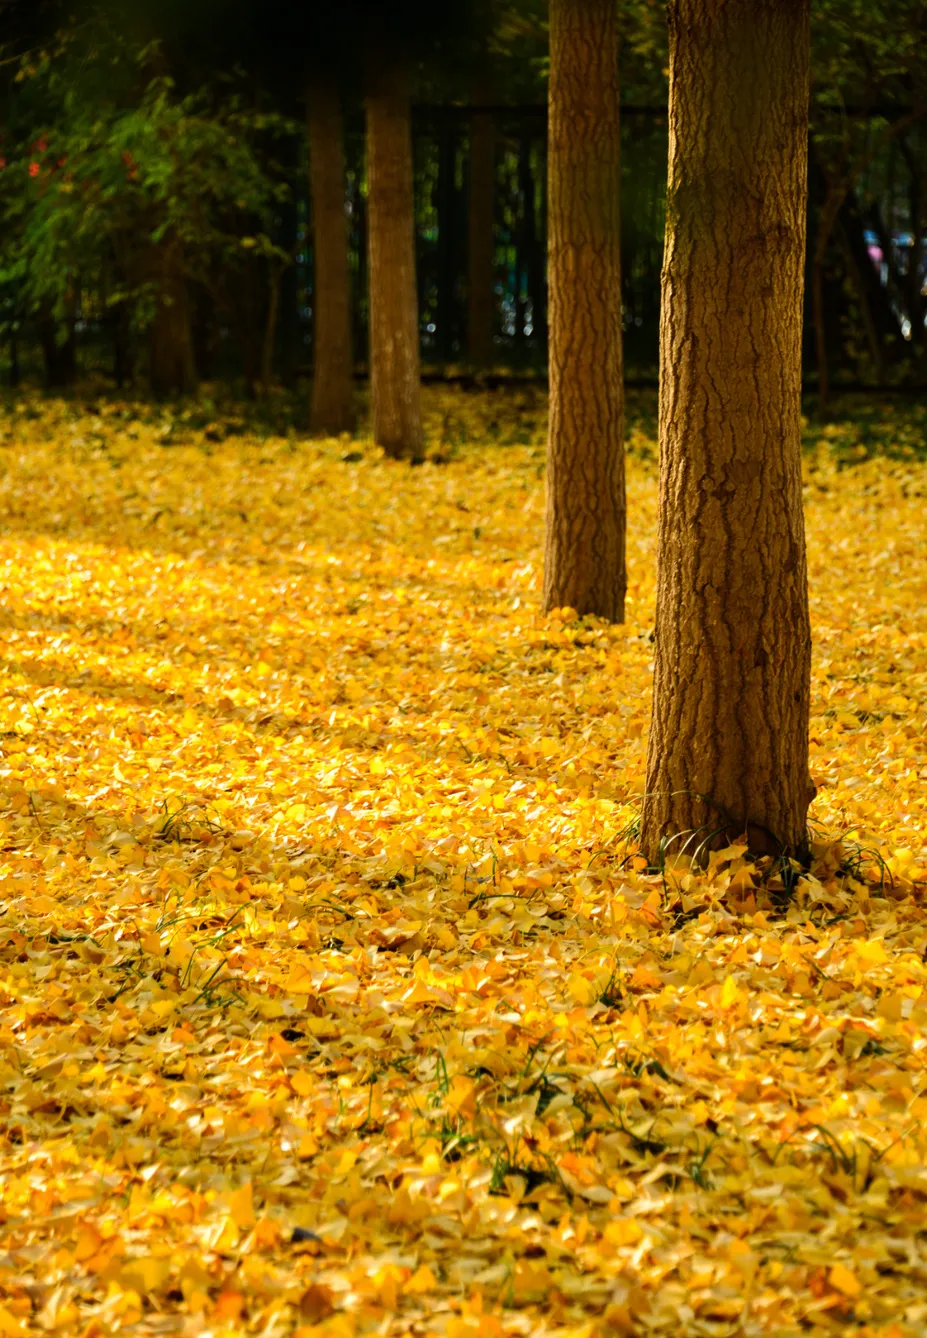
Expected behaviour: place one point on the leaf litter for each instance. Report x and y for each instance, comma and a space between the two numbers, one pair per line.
335, 997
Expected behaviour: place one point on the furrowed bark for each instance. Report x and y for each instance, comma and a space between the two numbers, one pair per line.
584, 560
728, 750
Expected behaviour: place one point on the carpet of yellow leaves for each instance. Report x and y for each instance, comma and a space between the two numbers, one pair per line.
334, 998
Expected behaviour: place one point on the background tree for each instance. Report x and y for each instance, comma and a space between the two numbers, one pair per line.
728, 751
394, 340
872, 57
584, 564
481, 241
116, 183
333, 364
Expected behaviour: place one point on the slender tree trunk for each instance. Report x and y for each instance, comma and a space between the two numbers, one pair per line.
333, 359
913, 280
60, 355
481, 244
394, 349
534, 259
827, 219
876, 297
288, 334
446, 156
173, 362
858, 279
837, 188
728, 752
362, 248
269, 341
522, 243
584, 556
121, 327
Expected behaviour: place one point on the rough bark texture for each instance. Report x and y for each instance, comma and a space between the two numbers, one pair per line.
333, 371
173, 362
394, 349
584, 557
481, 246
728, 748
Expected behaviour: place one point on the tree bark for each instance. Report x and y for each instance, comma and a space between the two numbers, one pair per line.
173, 362
481, 242
913, 280
60, 355
837, 188
882, 326
827, 219
275, 278
534, 256
858, 279
584, 560
446, 157
728, 752
332, 409
394, 345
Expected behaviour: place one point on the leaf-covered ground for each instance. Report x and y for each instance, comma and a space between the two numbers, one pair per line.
334, 999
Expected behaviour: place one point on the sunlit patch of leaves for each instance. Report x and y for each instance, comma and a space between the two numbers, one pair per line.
336, 992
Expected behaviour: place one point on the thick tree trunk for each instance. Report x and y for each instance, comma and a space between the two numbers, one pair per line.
173, 362
728, 753
481, 242
584, 556
333, 360
394, 349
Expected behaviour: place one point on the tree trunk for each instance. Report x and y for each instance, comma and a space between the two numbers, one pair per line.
173, 362
481, 242
288, 332
858, 279
121, 327
584, 555
447, 149
534, 256
394, 350
876, 297
270, 329
913, 281
728, 753
837, 188
333, 360
827, 218
60, 355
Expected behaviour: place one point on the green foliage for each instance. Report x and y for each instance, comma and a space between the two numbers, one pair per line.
112, 176
866, 52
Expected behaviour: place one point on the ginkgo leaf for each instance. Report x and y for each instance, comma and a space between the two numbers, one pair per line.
434, 1005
